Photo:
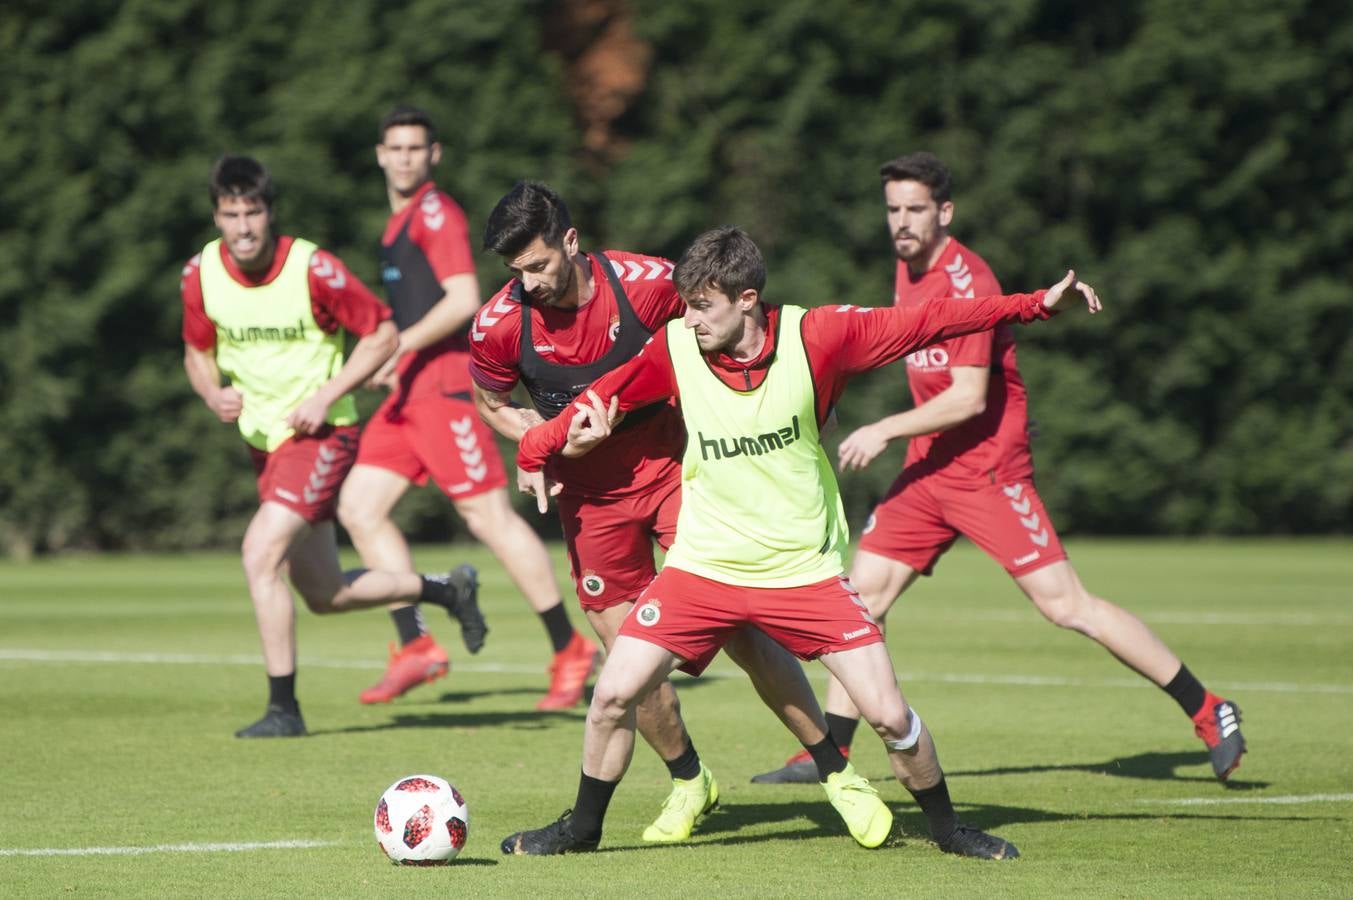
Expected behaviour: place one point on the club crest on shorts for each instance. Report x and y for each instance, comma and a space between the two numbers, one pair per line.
649, 613
593, 584
869, 524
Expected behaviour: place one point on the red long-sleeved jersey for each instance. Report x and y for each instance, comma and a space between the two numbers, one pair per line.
841, 341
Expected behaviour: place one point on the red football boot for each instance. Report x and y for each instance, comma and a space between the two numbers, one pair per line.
421, 661
568, 673
1218, 724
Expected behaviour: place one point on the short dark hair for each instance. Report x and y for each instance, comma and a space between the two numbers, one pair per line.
408, 115
528, 211
923, 167
240, 176
724, 258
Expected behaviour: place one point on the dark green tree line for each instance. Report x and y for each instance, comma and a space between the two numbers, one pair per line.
1190, 160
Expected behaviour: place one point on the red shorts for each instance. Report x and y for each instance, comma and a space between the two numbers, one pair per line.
436, 436
694, 617
306, 471
610, 542
920, 518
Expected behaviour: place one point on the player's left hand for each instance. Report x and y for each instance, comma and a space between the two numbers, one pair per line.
861, 447
591, 424
538, 486
1062, 294
308, 418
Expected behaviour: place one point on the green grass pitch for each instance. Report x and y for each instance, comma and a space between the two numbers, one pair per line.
122, 679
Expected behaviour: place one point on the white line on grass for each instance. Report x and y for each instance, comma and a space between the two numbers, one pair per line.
164, 848
1025, 615
20, 654
1217, 801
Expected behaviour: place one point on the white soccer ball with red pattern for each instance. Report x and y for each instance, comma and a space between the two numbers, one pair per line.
422, 820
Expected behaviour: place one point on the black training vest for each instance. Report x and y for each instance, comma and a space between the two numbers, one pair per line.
410, 284
552, 387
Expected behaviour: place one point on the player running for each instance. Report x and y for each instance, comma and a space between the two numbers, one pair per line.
269, 313
762, 531
566, 318
969, 472
427, 427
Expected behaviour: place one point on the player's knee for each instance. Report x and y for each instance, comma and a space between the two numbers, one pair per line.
894, 723
1065, 609
610, 702
259, 557
904, 732
353, 513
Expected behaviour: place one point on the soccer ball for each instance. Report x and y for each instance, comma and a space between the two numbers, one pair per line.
421, 820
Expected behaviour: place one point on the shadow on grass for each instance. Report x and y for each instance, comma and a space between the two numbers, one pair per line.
1149, 766
989, 817
909, 827
471, 696
462, 861
530, 719
682, 685
523, 719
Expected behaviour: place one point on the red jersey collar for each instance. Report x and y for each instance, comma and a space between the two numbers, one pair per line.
249, 279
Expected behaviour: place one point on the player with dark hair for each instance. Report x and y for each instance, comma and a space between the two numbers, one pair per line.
762, 531
566, 318
427, 427
269, 313
969, 472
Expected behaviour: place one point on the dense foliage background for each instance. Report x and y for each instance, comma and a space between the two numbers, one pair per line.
1190, 159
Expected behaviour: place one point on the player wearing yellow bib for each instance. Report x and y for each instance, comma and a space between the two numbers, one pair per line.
761, 531
269, 314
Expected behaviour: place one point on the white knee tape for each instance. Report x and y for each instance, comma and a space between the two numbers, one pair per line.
912, 737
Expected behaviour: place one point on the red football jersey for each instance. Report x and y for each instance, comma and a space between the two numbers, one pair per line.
635, 458
840, 341
437, 226
995, 443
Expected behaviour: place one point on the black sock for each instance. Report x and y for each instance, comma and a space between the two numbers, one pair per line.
1187, 691
827, 755
409, 624
282, 692
687, 765
434, 591
557, 625
589, 810
938, 809
842, 729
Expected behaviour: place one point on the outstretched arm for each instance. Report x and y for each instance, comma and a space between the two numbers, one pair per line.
848, 340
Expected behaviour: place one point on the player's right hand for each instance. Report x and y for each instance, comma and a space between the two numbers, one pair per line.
861, 447
227, 404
